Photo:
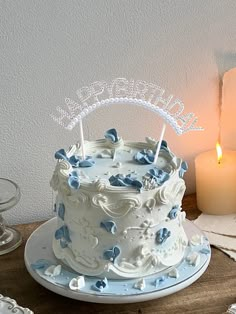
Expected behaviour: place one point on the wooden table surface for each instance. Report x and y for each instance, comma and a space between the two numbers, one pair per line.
212, 293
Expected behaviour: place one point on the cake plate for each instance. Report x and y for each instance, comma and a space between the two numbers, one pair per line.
39, 256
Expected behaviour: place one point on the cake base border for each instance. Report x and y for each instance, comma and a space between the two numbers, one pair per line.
39, 247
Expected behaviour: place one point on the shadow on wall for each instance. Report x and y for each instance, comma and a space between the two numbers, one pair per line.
225, 62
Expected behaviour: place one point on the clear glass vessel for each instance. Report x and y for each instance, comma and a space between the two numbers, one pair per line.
9, 197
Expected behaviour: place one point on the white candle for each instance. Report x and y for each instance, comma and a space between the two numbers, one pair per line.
82, 139
216, 182
159, 143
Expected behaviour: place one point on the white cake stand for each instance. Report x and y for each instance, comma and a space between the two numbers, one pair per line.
39, 250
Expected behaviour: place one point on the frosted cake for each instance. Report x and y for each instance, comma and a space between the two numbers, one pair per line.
119, 214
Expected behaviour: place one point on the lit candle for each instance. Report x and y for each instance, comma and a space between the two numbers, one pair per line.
216, 182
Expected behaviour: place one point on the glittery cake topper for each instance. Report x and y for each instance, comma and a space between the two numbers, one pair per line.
122, 90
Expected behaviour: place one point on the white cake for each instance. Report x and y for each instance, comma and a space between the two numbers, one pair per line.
119, 215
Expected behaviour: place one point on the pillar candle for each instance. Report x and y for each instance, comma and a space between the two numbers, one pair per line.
216, 182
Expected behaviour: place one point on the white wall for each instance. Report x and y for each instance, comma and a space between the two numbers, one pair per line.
49, 49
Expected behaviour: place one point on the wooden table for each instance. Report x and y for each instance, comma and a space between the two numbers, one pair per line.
212, 293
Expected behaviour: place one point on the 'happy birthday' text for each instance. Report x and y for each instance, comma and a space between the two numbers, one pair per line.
89, 97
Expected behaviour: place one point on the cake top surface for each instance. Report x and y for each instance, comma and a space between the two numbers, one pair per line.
119, 163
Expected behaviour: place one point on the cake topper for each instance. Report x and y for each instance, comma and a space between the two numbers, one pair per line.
121, 90
133, 92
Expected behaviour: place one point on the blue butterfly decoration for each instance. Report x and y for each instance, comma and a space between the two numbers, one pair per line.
100, 285
61, 211
205, 251
74, 160
183, 169
109, 226
164, 146
40, 264
112, 253
146, 156
73, 180
55, 208
159, 175
128, 180
162, 235
111, 134
63, 235
159, 281
173, 213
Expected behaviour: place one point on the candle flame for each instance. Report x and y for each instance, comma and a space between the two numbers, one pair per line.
219, 152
